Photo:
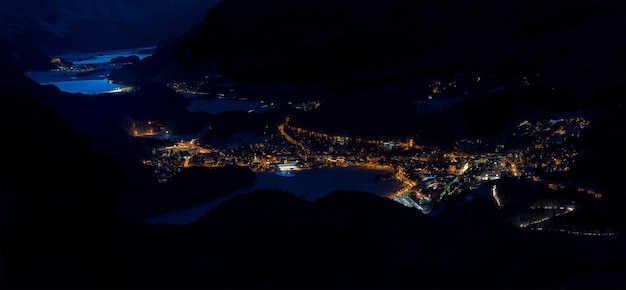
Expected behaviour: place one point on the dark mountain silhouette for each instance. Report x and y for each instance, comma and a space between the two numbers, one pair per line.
60, 230
354, 45
31, 31
351, 240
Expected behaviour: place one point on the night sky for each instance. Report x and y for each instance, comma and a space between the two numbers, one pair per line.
319, 144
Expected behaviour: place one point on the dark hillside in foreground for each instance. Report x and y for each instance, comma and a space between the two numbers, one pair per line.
354, 240
58, 199
64, 203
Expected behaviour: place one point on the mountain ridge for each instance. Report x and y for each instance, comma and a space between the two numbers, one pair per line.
358, 43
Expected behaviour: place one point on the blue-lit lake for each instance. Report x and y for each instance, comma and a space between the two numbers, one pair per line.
310, 184
70, 81
100, 86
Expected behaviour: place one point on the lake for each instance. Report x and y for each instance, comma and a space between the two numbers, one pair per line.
310, 184
217, 105
70, 81
89, 87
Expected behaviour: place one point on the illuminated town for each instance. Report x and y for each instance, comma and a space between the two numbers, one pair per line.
428, 173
